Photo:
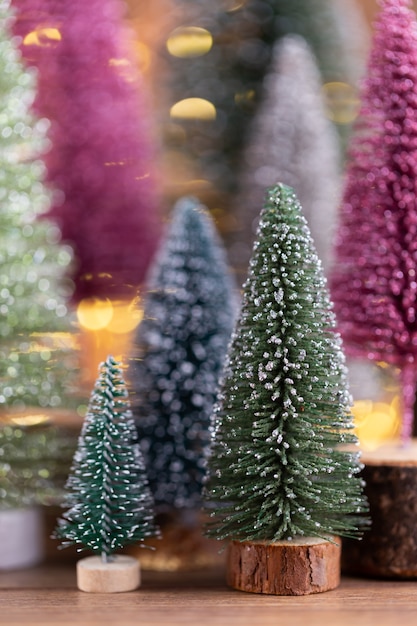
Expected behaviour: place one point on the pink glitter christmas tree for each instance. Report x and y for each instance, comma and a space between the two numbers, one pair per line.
374, 282
101, 157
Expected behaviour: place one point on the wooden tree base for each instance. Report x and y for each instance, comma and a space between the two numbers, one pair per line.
286, 568
121, 574
389, 548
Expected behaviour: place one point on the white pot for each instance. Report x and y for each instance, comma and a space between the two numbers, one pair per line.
21, 538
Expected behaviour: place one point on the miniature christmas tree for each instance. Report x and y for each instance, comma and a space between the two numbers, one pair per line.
373, 284
109, 502
106, 203
229, 72
37, 352
180, 346
291, 140
279, 468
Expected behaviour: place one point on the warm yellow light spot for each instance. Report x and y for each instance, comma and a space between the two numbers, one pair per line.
189, 41
126, 316
234, 5
342, 102
30, 420
50, 341
142, 54
94, 314
42, 36
193, 108
245, 97
376, 422
199, 184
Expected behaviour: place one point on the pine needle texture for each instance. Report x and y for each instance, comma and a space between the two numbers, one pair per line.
108, 501
280, 465
180, 348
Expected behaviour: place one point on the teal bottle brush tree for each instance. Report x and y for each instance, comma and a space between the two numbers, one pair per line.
109, 504
282, 480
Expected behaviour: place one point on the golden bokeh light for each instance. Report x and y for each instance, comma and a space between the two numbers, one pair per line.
376, 422
142, 54
94, 314
342, 102
42, 36
189, 41
245, 97
193, 109
126, 316
30, 420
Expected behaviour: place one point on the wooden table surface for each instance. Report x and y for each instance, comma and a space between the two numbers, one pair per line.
48, 595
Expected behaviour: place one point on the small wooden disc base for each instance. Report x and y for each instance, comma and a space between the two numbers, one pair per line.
389, 548
121, 574
285, 568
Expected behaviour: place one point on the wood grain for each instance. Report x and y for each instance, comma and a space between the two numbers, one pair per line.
389, 548
48, 595
292, 568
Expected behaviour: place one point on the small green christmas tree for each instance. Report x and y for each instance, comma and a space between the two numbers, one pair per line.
279, 466
180, 347
109, 501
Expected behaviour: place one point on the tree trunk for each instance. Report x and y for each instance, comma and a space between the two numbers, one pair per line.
389, 548
293, 568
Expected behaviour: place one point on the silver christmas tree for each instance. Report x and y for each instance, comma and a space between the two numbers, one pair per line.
291, 140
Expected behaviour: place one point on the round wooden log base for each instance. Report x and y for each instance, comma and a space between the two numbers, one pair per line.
118, 575
389, 548
286, 568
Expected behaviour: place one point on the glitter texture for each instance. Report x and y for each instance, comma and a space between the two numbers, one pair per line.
277, 468
37, 358
180, 346
374, 282
101, 161
109, 501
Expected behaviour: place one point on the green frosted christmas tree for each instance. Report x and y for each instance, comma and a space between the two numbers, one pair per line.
109, 504
180, 347
37, 364
279, 468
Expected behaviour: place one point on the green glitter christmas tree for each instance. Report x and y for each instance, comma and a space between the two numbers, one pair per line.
109, 502
280, 465
38, 367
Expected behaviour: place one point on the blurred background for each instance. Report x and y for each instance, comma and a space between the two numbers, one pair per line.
138, 105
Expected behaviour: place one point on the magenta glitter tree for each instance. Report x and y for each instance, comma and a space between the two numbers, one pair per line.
102, 153
374, 281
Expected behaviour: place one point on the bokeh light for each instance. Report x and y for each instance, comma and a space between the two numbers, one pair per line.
43, 36
94, 314
126, 316
189, 41
193, 108
376, 422
342, 102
